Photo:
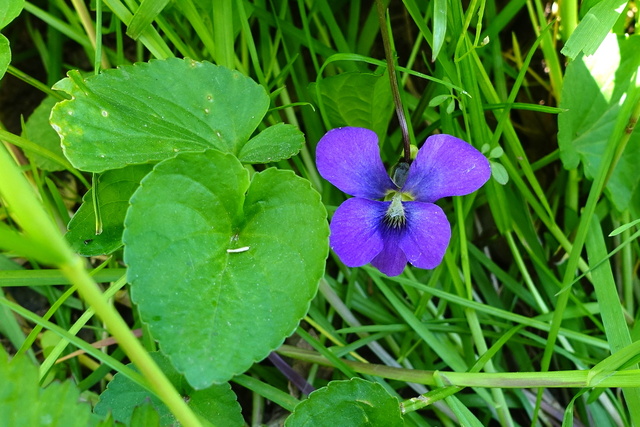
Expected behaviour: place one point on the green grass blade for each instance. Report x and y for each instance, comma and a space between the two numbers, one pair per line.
615, 326
144, 16
223, 33
593, 28
439, 26
149, 36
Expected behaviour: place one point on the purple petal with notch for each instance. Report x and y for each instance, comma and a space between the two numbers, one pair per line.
426, 235
356, 230
349, 158
446, 166
392, 260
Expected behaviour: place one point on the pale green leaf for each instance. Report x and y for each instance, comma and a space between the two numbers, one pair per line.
496, 152
594, 88
499, 173
437, 100
277, 142
451, 106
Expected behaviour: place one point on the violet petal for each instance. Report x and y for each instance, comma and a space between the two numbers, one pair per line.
426, 234
446, 166
392, 260
356, 231
349, 158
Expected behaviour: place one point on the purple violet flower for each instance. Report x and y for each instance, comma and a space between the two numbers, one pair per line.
390, 223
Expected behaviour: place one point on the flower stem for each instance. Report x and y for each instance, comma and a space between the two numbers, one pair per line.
393, 80
293, 376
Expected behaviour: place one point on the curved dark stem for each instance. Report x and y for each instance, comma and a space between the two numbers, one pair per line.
393, 79
295, 378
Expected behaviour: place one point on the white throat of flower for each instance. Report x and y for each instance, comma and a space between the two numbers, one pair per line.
395, 217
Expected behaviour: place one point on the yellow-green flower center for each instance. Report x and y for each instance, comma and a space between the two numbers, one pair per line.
395, 215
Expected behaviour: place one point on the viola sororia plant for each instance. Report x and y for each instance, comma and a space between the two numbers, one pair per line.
213, 251
391, 222
203, 220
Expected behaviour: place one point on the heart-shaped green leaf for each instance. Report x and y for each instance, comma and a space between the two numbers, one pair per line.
115, 187
221, 268
148, 112
351, 403
217, 404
